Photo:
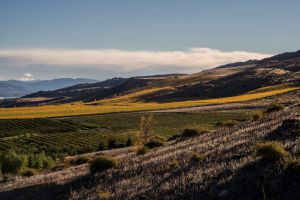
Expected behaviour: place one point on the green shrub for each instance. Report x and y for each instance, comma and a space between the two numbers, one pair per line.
40, 161
80, 160
143, 151
101, 164
196, 158
13, 163
294, 166
28, 172
274, 108
271, 151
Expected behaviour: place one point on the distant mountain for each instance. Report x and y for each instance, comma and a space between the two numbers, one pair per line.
21, 88
7, 90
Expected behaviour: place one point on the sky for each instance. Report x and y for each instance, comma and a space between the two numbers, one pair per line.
100, 39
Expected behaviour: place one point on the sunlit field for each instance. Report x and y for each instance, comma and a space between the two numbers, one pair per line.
126, 105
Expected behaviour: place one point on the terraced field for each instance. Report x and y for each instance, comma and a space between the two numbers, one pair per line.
84, 134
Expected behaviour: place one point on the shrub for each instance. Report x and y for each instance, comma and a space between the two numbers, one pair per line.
294, 166
274, 108
112, 144
230, 123
143, 151
13, 163
271, 151
196, 158
40, 161
154, 142
256, 116
104, 195
101, 164
190, 132
28, 172
102, 147
80, 160
129, 142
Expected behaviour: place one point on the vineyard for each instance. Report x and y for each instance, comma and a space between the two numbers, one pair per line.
84, 134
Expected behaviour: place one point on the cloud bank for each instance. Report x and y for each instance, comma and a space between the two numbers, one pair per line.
122, 61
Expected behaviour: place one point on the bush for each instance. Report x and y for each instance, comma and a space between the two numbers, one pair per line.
230, 123
274, 108
40, 161
154, 142
28, 172
102, 147
256, 116
13, 163
80, 160
112, 144
271, 151
101, 164
294, 166
190, 132
129, 142
143, 151
196, 158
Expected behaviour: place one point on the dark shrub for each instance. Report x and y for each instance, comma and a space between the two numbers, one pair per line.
28, 172
80, 160
13, 163
271, 151
190, 132
101, 164
154, 142
256, 116
196, 158
102, 147
274, 108
143, 151
294, 166
112, 144
129, 142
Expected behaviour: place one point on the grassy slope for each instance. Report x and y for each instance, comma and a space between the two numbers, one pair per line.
123, 106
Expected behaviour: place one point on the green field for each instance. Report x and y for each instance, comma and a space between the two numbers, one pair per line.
84, 134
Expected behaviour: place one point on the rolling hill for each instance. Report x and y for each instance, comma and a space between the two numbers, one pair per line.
227, 80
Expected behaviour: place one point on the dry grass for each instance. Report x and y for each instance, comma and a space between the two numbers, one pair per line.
126, 105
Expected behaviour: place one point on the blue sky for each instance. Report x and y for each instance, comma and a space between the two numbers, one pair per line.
155, 29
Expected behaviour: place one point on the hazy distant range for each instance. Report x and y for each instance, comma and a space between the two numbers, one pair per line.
16, 88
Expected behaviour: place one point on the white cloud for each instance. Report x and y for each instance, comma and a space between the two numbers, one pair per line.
193, 59
27, 77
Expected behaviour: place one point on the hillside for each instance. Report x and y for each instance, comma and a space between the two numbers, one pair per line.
27, 87
227, 80
228, 170
7, 90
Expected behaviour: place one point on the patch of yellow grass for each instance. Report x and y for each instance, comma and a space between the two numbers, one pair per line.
134, 96
126, 106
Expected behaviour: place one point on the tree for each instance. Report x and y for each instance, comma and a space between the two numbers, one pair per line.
146, 126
